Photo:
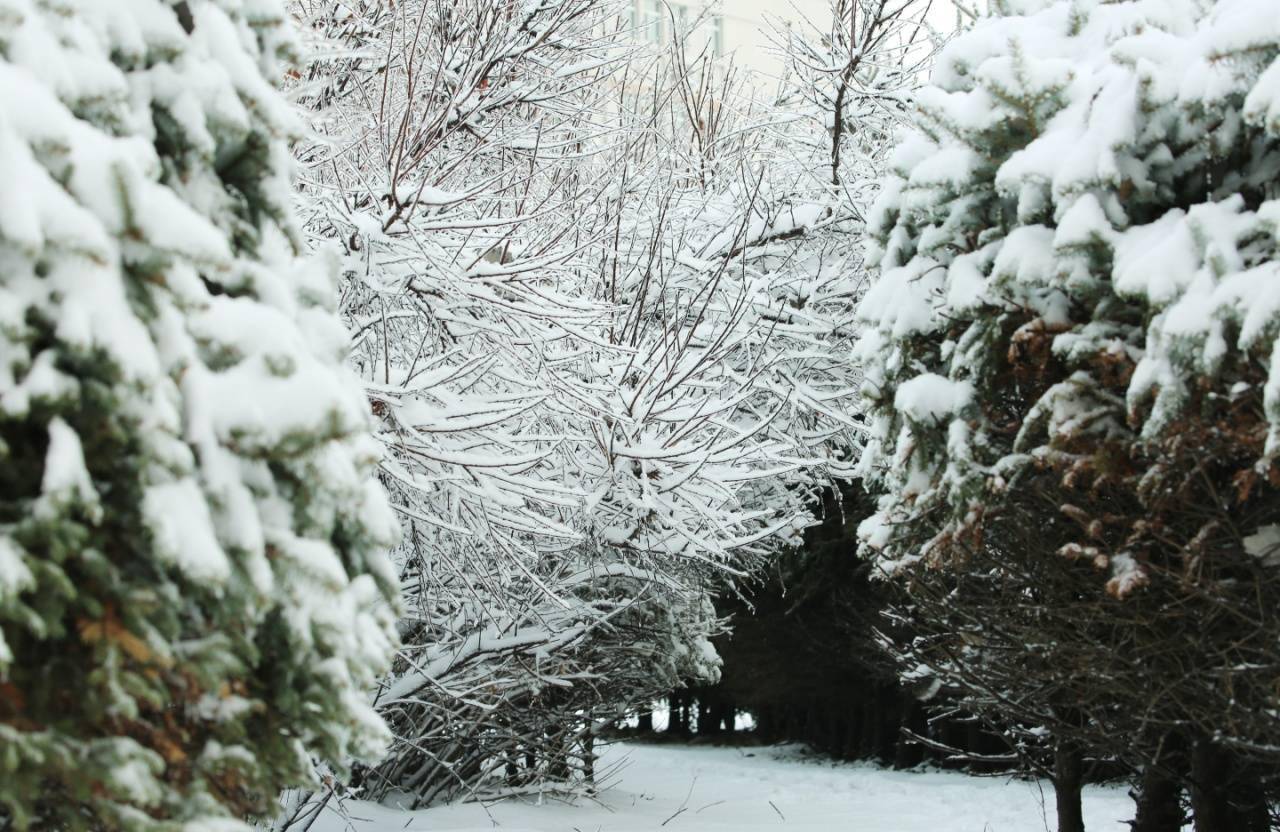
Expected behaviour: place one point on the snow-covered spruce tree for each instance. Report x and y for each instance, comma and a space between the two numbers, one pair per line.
1071, 363
194, 593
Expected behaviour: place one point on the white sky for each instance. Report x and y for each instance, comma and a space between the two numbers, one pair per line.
942, 13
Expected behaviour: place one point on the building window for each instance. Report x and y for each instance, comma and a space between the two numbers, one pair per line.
651, 21
717, 35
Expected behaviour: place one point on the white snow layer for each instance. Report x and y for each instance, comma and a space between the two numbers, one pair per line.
683, 789
930, 397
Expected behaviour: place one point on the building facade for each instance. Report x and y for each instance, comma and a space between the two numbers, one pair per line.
737, 30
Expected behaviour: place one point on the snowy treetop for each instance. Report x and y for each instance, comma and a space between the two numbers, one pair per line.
1058, 170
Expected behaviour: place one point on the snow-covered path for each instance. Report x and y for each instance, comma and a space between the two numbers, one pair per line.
698, 789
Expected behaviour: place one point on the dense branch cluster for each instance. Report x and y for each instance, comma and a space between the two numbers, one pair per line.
601, 320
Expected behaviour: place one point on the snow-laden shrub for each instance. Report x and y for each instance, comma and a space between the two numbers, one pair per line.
194, 595
602, 307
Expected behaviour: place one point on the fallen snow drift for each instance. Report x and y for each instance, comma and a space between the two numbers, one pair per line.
745, 790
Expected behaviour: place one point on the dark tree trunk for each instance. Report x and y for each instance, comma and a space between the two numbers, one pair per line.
848, 736
704, 715
812, 730
839, 734
589, 758
858, 731
872, 730
766, 723
646, 722
1222, 799
717, 715
890, 716
952, 733
975, 743
728, 718
1209, 804
908, 753
791, 724
1159, 806
679, 704
1068, 779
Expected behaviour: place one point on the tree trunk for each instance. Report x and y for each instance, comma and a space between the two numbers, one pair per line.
811, 732
871, 730
951, 732
857, 733
646, 722
729, 718
1159, 802
679, 721
890, 716
766, 723
589, 757
1068, 779
1209, 805
1222, 798
975, 743
907, 753
705, 726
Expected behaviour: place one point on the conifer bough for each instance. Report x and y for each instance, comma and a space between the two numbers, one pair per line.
194, 599
1073, 372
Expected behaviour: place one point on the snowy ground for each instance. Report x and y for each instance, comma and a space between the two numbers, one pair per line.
698, 789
